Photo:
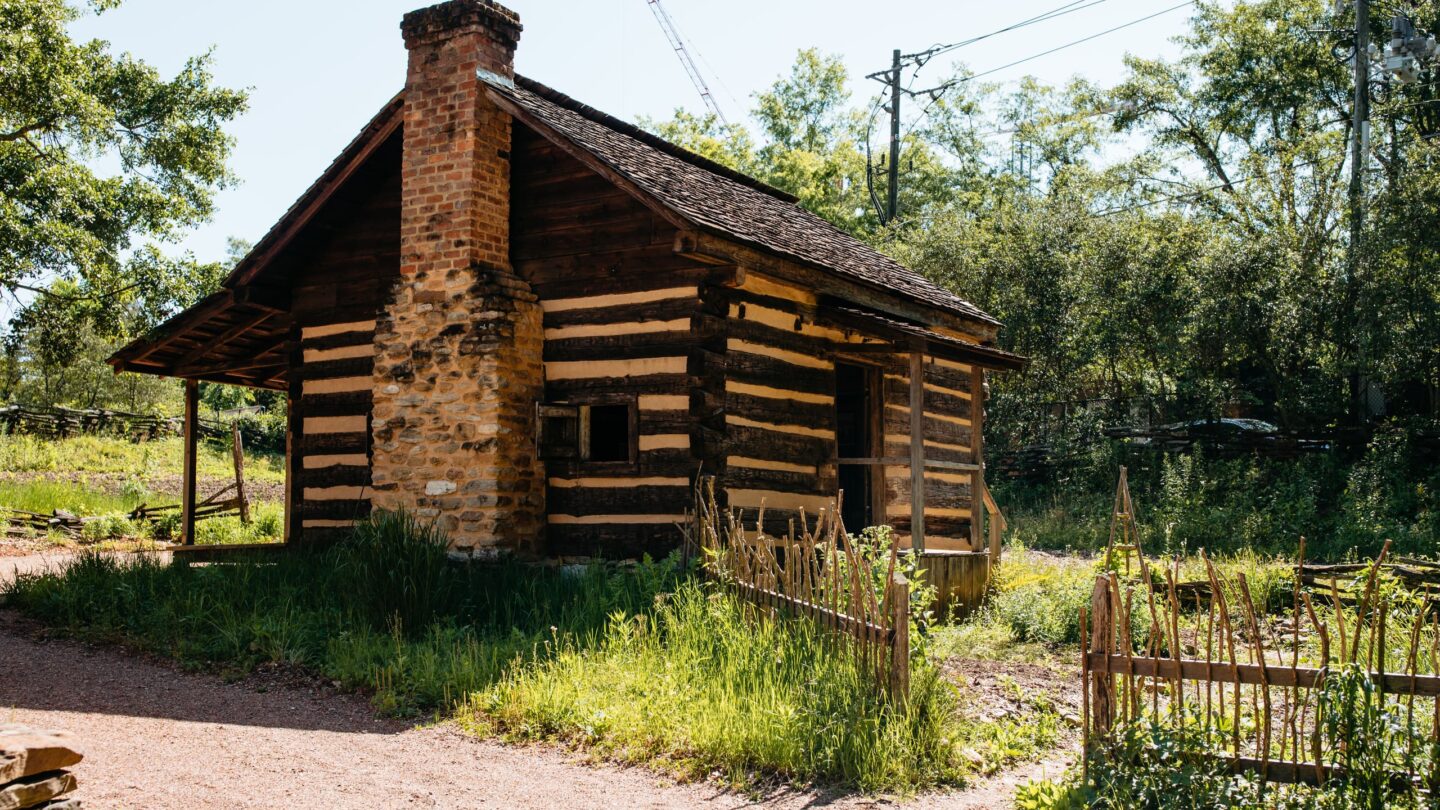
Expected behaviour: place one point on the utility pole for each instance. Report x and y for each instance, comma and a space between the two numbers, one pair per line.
892, 202
891, 78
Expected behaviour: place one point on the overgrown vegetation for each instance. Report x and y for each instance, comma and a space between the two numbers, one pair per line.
1189, 501
639, 663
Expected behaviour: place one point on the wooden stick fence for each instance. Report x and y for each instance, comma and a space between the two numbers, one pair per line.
818, 573
1216, 665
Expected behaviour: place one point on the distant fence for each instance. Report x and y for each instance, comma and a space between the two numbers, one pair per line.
1234, 678
819, 574
59, 423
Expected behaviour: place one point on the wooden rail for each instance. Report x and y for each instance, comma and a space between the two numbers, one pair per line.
1192, 669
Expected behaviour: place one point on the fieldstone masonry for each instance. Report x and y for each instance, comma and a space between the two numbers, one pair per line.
458, 351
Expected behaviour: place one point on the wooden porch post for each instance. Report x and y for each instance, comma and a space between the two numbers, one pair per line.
977, 448
294, 432
187, 480
917, 448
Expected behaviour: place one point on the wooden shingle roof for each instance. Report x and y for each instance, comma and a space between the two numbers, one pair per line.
714, 198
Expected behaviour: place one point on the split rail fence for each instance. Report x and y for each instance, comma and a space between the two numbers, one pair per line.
1204, 657
818, 573
58, 423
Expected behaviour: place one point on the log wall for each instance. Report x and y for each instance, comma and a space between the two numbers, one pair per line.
779, 415
778, 403
340, 272
948, 422
619, 307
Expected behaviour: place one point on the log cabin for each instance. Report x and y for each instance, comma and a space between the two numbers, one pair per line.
536, 324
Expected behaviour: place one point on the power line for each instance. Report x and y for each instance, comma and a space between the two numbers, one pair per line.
899, 61
1202, 191
1072, 44
1060, 11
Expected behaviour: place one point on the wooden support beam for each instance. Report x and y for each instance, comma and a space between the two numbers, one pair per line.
977, 447
188, 481
917, 449
1191, 669
178, 326
261, 363
294, 423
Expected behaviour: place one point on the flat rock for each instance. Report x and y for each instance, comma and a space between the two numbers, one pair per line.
36, 790
26, 752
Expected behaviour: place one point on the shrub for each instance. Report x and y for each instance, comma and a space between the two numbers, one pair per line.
106, 527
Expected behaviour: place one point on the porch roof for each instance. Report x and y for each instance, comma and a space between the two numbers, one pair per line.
235, 336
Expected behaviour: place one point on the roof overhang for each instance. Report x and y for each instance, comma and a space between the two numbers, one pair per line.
235, 336
905, 338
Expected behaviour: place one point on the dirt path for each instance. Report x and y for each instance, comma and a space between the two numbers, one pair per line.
157, 737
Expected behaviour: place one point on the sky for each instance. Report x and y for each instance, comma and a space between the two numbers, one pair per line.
317, 70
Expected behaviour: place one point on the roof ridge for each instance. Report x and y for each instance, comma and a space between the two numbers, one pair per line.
650, 139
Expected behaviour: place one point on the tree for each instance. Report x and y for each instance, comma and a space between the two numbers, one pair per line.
67, 111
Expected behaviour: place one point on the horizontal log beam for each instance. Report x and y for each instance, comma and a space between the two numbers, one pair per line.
904, 461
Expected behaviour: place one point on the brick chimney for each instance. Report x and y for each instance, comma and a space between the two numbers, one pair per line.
458, 368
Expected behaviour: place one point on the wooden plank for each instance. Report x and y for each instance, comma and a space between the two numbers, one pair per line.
754, 369
917, 450
188, 480
377, 132
333, 443
584, 157
634, 500
842, 622
223, 339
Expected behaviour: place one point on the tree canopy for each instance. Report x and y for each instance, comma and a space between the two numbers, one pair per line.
1179, 237
104, 164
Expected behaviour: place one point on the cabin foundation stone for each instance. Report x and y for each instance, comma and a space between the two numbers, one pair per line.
458, 348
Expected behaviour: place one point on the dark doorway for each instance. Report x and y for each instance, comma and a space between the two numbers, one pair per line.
856, 406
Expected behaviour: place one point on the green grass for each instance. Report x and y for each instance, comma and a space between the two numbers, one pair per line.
47, 496
82, 456
1036, 596
702, 685
108, 454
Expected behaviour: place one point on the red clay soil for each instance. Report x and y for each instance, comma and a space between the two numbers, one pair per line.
157, 737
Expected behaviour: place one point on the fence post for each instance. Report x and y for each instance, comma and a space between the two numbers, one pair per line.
898, 597
1102, 640
237, 452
